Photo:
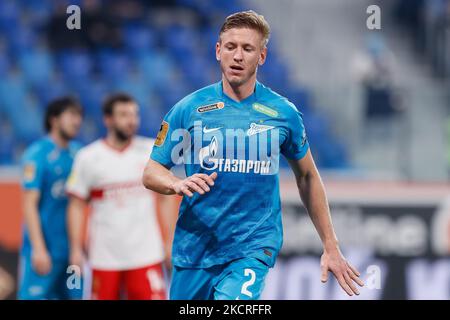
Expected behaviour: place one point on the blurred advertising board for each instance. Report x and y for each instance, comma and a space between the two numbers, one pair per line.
399, 242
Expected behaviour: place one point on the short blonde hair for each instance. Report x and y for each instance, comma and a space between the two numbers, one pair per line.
247, 19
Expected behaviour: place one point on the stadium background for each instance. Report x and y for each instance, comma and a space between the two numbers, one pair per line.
375, 104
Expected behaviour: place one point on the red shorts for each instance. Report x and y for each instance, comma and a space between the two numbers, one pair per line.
145, 283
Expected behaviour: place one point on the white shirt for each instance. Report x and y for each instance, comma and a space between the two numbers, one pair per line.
123, 232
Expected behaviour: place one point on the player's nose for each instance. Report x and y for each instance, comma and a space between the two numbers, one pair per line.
238, 55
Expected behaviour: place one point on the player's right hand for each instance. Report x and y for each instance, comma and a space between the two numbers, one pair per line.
76, 258
41, 261
198, 182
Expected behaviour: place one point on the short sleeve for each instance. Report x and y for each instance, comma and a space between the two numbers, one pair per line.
296, 144
33, 167
78, 184
167, 149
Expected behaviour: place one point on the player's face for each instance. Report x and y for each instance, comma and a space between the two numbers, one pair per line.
240, 51
124, 120
69, 123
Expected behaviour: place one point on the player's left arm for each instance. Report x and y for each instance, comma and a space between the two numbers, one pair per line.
167, 217
312, 193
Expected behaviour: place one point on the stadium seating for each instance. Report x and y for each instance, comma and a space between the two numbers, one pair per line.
158, 65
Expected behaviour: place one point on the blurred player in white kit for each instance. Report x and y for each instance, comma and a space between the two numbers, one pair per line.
125, 249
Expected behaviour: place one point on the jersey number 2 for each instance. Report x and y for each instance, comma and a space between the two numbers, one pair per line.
252, 274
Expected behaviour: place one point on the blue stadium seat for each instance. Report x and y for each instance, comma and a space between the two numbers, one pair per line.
9, 16
138, 39
36, 65
91, 94
151, 113
157, 67
26, 127
21, 39
134, 85
76, 65
13, 91
180, 40
195, 71
47, 91
5, 65
113, 64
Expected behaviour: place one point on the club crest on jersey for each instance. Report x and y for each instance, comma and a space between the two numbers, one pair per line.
258, 128
29, 172
211, 107
162, 134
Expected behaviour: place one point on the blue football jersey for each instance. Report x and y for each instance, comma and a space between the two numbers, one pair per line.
207, 131
46, 167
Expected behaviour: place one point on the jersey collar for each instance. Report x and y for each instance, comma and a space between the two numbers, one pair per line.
249, 100
55, 145
119, 150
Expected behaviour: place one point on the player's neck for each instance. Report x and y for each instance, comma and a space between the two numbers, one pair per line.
241, 92
59, 140
117, 144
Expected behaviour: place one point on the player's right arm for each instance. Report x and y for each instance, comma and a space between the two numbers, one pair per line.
78, 188
157, 175
160, 179
75, 222
32, 183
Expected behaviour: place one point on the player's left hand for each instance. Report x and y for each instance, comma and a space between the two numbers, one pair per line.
344, 272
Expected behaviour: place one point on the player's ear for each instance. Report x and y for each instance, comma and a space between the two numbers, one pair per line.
218, 51
262, 56
53, 122
107, 121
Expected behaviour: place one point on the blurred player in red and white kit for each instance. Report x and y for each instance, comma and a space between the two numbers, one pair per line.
125, 248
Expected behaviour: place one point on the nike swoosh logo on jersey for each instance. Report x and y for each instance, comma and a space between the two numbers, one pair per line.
205, 130
258, 128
